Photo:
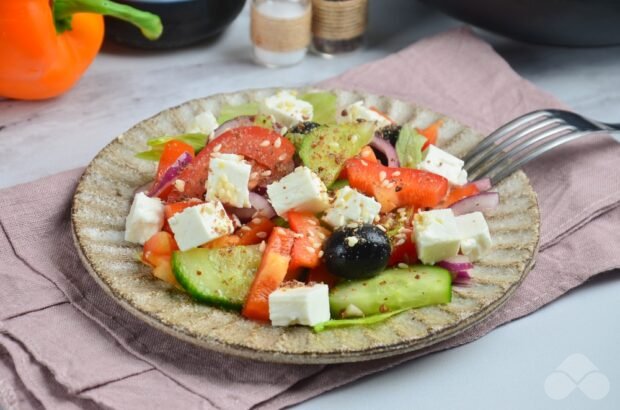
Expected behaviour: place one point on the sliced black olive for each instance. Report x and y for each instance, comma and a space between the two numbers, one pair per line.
357, 252
303, 127
390, 133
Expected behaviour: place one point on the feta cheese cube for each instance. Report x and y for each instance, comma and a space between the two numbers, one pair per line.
204, 123
228, 179
301, 190
351, 206
357, 111
442, 163
287, 109
475, 235
145, 219
437, 236
302, 305
199, 224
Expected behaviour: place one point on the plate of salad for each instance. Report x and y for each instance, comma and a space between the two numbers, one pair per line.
303, 225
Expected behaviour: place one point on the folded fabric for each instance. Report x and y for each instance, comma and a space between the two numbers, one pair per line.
64, 343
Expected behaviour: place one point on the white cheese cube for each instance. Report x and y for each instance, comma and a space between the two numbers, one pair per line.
475, 235
299, 305
358, 111
204, 123
437, 236
228, 179
301, 190
287, 109
351, 206
199, 224
442, 163
145, 219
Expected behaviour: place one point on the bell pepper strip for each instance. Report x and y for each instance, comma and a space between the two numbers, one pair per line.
458, 193
266, 149
396, 187
175, 156
45, 46
367, 154
307, 247
270, 274
431, 133
157, 253
225, 241
176, 207
320, 274
255, 231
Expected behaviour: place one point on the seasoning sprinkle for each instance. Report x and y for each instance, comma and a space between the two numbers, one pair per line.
265, 143
261, 235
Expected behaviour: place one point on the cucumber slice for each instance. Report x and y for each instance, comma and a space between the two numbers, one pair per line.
325, 149
220, 277
394, 289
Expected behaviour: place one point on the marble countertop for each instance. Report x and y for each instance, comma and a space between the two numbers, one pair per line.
505, 369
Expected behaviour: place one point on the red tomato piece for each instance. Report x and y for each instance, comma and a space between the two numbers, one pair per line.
157, 253
270, 274
255, 231
175, 208
396, 187
320, 274
260, 146
405, 253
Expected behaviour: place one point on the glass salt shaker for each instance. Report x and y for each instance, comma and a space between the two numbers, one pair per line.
280, 31
338, 26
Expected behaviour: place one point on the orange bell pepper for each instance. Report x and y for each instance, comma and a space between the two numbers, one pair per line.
45, 46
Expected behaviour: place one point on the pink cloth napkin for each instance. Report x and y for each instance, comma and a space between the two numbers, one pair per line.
64, 344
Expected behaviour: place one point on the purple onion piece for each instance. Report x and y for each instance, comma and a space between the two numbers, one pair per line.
170, 174
462, 277
387, 149
244, 214
262, 205
483, 202
483, 184
456, 264
241, 121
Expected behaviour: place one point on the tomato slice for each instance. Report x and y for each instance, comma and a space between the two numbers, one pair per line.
157, 253
320, 274
396, 187
261, 146
270, 274
307, 247
404, 253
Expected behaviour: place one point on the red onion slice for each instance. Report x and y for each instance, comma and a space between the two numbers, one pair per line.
456, 263
387, 149
483, 184
262, 205
244, 214
483, 202
170, 174
462, 277
241, 121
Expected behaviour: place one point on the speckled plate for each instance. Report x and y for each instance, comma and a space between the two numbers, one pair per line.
102, 202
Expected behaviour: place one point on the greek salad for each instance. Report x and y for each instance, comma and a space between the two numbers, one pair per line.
295, 211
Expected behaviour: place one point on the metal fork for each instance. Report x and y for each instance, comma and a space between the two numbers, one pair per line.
525, 138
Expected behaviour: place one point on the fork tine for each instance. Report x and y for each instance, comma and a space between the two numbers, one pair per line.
482, 158
510, 167
503, 131
499, 156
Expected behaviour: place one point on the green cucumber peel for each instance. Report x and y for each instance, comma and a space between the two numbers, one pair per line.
324, 106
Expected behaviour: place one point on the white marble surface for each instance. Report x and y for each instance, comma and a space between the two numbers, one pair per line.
507, 368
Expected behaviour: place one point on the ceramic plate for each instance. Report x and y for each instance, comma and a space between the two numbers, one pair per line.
105, 192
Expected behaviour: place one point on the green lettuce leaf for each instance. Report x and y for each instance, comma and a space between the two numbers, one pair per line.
228, 112
196, 140
409, 146
363, 321
324, 106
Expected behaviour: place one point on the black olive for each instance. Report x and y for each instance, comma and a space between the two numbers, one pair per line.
357, 252
303, 127
390, 133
